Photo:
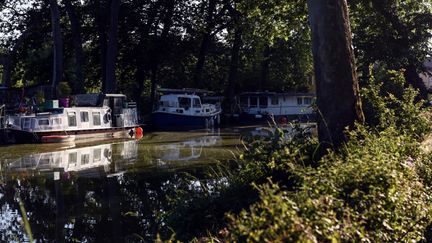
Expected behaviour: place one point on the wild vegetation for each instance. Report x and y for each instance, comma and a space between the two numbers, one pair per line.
371, 184
373, 188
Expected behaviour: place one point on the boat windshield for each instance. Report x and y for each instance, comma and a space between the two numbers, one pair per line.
184, 102
196, 103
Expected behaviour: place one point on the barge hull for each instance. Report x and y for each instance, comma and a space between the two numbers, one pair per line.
169, 120
20, 136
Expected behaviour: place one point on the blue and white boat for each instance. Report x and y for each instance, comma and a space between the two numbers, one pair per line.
185, 111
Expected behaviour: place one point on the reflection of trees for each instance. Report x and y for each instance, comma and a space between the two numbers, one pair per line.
128, 199
111, 209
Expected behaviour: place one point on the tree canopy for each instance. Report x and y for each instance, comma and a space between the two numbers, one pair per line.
224, 45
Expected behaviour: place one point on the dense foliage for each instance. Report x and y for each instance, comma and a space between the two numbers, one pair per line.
221, 45
374, 188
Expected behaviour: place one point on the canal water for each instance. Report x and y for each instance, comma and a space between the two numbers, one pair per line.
112, 191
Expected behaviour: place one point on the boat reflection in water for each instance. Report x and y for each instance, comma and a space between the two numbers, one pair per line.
165, 151
91, 161
105, 192
187, 150
111, 159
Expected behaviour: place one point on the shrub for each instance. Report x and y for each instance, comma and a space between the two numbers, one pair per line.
388, 102
373, 189
369, 191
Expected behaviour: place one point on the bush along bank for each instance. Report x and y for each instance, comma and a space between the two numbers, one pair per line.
375, 188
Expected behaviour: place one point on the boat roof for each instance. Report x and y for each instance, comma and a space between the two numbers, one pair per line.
185, 91
267, 93
115, 95
175, 96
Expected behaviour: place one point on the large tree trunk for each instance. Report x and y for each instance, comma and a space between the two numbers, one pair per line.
100, 21
58, 47
160, 47
111, 82
338, 98
78, 82
141, 51
205, 43
232, 75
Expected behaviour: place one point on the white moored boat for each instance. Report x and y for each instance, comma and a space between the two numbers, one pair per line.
95, 115
184, 111
252, 106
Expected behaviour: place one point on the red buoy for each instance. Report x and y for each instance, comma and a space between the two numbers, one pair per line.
138, 132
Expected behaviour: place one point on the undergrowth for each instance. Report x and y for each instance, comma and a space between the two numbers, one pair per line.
373, 189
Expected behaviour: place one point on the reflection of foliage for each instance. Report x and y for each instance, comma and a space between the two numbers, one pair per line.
92, 207
231, 188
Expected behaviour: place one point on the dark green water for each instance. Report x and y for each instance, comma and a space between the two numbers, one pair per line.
112, 191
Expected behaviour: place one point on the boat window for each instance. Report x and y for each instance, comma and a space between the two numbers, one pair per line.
72, 119
44, 161
97, 154
85, 159
196, 103
56, 121
43, 122
16, 121
25, 123
84, 116
164, 104
263, 101
184, 102
253, 101
73, 158
244, 101
307, 100
33, 123
274, 100
299, 100
118, 102
96, 118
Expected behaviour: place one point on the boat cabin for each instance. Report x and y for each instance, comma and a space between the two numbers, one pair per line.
276, 104
184, 104
92, 112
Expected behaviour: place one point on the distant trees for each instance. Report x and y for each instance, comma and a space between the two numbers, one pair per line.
394, 33
224, 45
337, 88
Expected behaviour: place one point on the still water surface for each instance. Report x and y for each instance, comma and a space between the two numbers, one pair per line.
109, 191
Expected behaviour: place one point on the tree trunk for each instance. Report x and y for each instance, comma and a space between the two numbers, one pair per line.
141, 51
160, 47
78, 83
100, 21
232, 76
7, 69
205, 43
9, 59
58, 47
111, 82
265, 65
338, 98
